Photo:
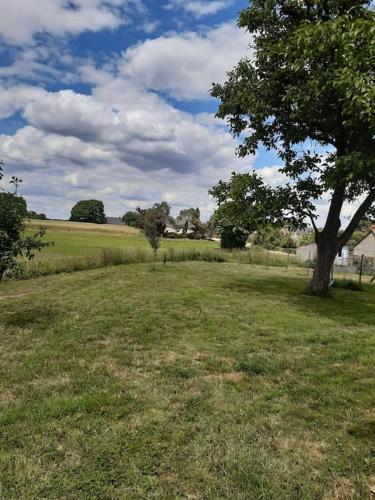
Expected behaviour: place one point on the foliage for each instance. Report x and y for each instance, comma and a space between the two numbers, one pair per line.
309, 93
163, 207
154, 226
34, 215
307, 239
351, 285
132, 219
273, 237
232, 238
192, 226
13, 244
188, 215
89, 211
159, 211
211, 227
246, 202
15, 181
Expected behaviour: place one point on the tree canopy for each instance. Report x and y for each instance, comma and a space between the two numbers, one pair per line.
89, 211
308, 92
132, 219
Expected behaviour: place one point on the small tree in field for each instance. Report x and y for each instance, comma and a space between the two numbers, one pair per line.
13, 244
154, 227
308, 92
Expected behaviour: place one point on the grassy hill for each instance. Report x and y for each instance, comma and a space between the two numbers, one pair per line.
76, 239
199, 380
78, 246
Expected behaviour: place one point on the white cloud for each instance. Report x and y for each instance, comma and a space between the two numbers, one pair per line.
123, 145
16, 97
272, 175
199, 8
20, 20
150, 26
185, 65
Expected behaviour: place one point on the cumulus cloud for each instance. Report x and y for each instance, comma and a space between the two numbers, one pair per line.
185, 65
199, 8
122, 144
20, 20
16, 97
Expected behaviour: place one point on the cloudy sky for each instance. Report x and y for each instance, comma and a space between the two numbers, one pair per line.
109, 99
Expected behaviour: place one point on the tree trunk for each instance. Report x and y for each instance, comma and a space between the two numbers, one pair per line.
320, 281
328, 245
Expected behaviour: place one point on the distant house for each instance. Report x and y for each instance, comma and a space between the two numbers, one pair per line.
366, 246
307, 253
179, 229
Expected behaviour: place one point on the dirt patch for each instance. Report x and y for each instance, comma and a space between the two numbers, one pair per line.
236, 377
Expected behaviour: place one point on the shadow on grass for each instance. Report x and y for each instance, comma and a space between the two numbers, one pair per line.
31, 316
345, 306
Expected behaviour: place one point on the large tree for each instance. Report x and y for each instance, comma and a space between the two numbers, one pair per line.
89, 211
308, 92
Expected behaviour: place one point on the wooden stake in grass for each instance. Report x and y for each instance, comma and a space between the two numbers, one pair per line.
361, 270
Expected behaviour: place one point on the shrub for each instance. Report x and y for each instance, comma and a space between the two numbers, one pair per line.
347, 285
13, 244
233, 238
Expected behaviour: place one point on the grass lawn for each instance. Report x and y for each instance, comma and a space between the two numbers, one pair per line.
199, 380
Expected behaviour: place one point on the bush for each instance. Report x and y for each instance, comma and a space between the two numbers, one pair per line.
133, 219
13, 244
347, 285
233, 238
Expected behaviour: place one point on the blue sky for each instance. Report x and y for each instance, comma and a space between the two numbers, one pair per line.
109, 99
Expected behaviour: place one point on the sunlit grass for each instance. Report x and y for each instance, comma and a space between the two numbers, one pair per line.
200, 380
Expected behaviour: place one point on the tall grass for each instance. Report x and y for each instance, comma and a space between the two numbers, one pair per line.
126, 256
261, 257
115, 257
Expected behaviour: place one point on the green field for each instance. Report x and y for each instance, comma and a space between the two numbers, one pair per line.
199, 380
78, 246
73, 239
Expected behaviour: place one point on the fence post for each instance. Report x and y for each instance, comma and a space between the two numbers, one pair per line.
361, 270
287, 263
308, 265
268, 258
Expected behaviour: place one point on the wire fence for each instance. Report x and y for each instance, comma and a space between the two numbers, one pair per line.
358, 268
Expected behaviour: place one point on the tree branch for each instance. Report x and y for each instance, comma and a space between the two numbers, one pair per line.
356, 219
317, 232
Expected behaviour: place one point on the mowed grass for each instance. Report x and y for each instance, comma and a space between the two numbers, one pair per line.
199, 380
